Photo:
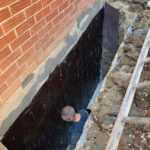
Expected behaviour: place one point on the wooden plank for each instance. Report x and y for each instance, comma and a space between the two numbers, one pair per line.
142, 85
117, 131
136, 120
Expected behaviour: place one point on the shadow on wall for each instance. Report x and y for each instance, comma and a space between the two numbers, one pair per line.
73, 82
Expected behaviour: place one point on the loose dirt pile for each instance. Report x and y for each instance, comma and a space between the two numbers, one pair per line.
107, 105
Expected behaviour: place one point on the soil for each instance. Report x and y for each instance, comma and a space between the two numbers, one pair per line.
107, 105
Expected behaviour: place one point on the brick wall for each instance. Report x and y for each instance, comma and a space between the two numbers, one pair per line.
29, 32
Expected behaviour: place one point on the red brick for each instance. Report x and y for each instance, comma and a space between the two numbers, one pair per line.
4, 14
44, 39
53, 46
10, 59
58, 18
39, 55
14, 77
46, 2
12, 22
26, 25
77, 2
7, 39
34, 39
83, 5
56, 3
68, 21
48, 43
46, 29
67, 31
59, 32
29, 70
4, 53
33, 9
64, 5
42, 13
33, 1
33, 66
9, 72
3, 88
52, 15
77, 14
26, 56
37, 27
68, 10
54, 30
20, 5
31, 60
11, 89
23, 68
41, 58
74, 11
6, 2
20, 40
71, 1
29, 43
2, 101
1, 31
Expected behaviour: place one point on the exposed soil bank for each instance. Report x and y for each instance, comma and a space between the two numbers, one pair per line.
107, 105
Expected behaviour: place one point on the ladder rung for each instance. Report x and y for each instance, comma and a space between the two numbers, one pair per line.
146, 60
142, 85
136, 120
148, 42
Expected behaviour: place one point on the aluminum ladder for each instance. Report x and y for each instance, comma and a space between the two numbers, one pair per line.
122, 117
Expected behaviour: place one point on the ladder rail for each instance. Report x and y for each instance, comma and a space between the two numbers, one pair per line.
117, 131
142, 85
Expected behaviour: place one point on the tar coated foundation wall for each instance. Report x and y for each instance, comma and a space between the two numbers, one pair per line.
42, 56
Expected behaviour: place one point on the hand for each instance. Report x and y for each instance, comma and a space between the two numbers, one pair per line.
72, 148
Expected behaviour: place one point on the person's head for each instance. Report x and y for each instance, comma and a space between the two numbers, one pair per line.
68, 113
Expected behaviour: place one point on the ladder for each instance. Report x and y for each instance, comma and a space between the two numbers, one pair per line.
122, 117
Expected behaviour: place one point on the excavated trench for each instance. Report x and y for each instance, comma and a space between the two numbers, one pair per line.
135, 15
39, 127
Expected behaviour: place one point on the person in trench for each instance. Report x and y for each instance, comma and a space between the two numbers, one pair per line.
76, 124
